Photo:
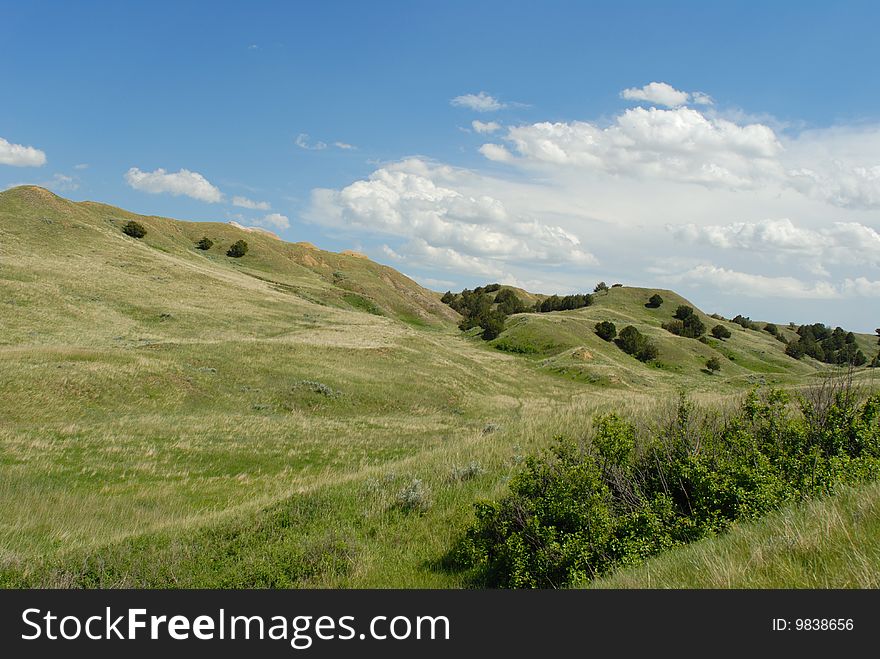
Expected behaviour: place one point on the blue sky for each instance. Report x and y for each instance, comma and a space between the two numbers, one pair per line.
747, 176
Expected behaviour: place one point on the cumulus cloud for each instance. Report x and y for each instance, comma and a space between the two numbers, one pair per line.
661, 93
244, 202
303, 142
18, 155
481, 102
431, 207
841, 242
485, 127
276, 220
681, 144
180, 183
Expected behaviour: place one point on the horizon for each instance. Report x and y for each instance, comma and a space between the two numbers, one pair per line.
734, 164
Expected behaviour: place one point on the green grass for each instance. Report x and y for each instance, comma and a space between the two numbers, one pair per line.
154, 420
828, 543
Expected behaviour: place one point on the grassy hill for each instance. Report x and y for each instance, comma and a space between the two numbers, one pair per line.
170, 416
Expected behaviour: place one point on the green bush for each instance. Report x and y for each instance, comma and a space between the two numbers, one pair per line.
631, 492
601, 287
238, 249
683, 311
634, 343
205, 243
134, 229
713, 364
606, 330
720, 332
654, 301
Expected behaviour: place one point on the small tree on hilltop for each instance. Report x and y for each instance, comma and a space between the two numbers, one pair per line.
654, 301
720, 332
713, 365
606, 330
238, 249
205, 244
600, 287
134, 229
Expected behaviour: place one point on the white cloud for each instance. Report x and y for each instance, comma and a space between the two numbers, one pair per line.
496, 152
276, 220
81, 166
861, 287
481, 102
751, 285
681, 145
839, 243
659, 93
18, 155
62, 183
344, 145
244, 202
303, 142
183, 182
485, 127
431, 207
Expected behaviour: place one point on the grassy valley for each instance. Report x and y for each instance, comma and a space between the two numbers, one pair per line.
172, 416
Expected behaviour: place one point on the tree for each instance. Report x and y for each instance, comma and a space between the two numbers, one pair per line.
205, 243
713, 364
720, 332
878, 335
509, 302
134, 229
632, 342
795, 349
600, 287
683, 311
492, 324
693, 327
654, 301
771, 329
238, 249
606, 330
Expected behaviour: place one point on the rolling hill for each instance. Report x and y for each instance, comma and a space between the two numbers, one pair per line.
195, 419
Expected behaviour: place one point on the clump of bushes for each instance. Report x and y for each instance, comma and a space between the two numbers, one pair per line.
685, 323
746, 323
634, 343
820, 342
585, 508
606, 330
205, 244
720, 332
654, 301
134, 229
564, 303
317, 388
238, 249
713, 365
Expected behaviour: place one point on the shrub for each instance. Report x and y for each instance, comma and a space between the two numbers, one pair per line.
720, 332
238, 249
469, 471
634, 343
414, 498
606, 330
134, 229
771, 329
691, 327
448, 297
712, 364
509, 303
582, 509
600, 287
565, 303
616, 285
205, 243
654, 301
492, 324
683, 311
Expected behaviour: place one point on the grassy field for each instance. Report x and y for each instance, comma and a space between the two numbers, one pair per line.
174, 417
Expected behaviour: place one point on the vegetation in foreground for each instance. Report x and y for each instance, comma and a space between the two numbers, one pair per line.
630, 493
